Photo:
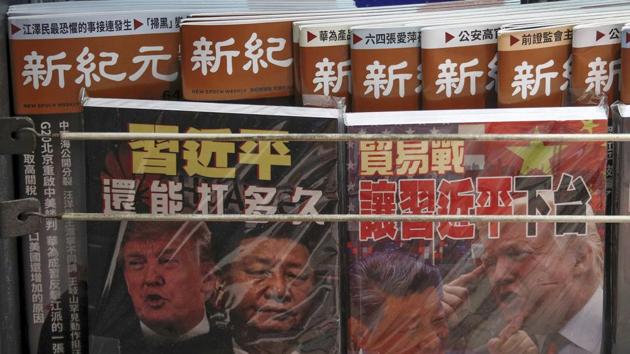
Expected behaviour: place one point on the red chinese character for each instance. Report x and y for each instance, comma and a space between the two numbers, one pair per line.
456, 198
494, 199
417, 197
377, 198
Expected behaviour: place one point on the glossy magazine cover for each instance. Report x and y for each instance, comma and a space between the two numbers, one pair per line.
195, 287
464, 287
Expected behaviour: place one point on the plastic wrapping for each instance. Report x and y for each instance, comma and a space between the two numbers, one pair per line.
161, 287
457, 287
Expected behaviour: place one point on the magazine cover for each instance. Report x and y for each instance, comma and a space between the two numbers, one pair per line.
237, 60
386, 69
460, 66
349, 16
169, 287
534, 67
463, 287
596, 63
325, 64
110, 54
54, 260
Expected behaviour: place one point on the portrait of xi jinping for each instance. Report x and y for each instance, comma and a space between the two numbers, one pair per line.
271, 287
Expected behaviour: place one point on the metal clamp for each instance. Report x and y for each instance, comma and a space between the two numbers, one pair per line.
17, 135
16, 219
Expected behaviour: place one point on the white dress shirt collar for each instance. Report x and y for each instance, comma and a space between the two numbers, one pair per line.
585, 328
201, 328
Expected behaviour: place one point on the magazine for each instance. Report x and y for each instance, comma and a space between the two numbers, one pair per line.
109, 54
386, 69
236, 287
596, 63
534, 67
54, 259
433, 287
460, 66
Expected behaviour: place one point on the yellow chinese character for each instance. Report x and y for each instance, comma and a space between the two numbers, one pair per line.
376, 158
260, 153
154, 156
198, 155
447, 156
412, 157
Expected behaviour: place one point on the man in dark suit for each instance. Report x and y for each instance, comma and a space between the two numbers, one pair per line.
272, 290
167, 270
547, 287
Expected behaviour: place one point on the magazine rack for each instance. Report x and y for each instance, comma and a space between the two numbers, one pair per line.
10, 316
19, 217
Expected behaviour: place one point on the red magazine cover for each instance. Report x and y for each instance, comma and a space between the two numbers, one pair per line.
462, 287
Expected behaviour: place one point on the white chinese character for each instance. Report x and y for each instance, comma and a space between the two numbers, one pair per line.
308, 208
153, 60
325, 77
166, 198
281, 42
492, 73
376, 79
566, 73
202, 55
34, 70
472, 76
393, 76
614, 69
527, 83
103, 64
601, 76
86, 67
257, 200
523, 80
254, 53
51, 67
229, 55
447, 78
119, 195
450, 78
205, 197
343, 71
419, 87
547, 76
597, 76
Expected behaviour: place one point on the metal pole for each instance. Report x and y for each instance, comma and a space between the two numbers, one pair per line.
615, 219
100, 136
10, 316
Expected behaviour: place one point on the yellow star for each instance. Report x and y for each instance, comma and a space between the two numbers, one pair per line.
588, 126
536, 156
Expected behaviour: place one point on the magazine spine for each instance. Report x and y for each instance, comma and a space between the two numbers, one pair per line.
10, 321
54, 258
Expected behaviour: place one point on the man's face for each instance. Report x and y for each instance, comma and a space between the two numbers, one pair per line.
531, 278
165, 282
271, 281
411, 324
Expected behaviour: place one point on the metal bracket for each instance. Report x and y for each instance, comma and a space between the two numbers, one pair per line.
15, 219
17, 135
